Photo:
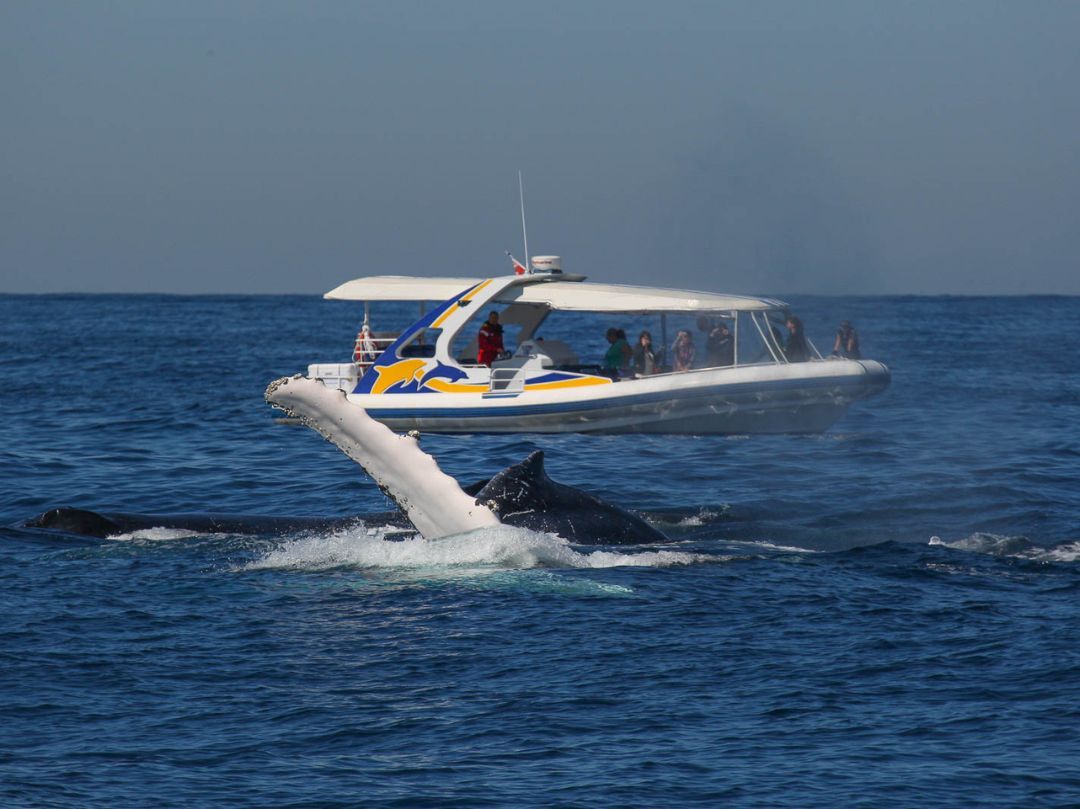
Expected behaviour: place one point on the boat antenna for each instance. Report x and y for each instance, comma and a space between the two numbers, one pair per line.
524, 233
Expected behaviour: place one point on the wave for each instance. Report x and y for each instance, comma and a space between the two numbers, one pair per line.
499, 547
681, 518
1012, 546
771, 546
703, 517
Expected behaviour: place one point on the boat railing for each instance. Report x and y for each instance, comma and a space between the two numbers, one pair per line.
367, 350
507, 380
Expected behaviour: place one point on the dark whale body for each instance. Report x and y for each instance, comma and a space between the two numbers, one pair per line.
521, 495
85, 523
524, 495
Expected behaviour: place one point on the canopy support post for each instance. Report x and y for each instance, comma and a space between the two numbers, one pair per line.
663, 332
735, 352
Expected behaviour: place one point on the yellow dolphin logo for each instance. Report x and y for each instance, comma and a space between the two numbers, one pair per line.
405, 371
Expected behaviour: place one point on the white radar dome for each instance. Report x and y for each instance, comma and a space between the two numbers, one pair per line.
547, 263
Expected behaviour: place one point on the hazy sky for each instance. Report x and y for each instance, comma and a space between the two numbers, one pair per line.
748, 147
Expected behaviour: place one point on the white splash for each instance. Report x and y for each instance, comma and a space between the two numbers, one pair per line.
158, 534
500, 547
1013, 546
703, 516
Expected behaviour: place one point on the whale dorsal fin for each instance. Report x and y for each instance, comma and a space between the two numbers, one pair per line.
521, 487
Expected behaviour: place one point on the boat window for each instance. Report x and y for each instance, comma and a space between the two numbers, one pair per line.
756, 341
713, 334
777, 333
463, 346
421, 345
575, 340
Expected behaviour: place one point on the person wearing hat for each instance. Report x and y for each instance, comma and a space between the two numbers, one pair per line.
847, 342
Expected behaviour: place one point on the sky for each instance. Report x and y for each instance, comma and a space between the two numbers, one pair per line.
749, 147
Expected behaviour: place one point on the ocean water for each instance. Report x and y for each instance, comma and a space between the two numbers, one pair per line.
887, 614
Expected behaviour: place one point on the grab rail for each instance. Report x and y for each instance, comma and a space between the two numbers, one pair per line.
364, 356
507, 380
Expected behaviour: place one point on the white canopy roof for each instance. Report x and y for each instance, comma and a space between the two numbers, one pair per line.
399, 288
569, 295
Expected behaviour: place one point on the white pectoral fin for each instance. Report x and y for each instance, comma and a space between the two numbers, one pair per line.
433, 500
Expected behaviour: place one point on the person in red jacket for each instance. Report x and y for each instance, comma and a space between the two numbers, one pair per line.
489, 343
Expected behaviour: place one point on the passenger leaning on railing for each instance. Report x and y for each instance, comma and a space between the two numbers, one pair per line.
847, 342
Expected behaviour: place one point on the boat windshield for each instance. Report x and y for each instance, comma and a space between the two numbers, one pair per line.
578, 341
465, 343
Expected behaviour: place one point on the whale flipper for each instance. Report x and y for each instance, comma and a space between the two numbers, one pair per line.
522, 494
431, 499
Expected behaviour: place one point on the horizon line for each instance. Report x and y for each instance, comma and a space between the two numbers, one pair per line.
753, 294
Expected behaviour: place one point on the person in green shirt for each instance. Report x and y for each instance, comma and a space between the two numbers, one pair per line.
618, 356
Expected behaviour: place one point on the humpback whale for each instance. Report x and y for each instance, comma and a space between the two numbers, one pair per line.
435, 504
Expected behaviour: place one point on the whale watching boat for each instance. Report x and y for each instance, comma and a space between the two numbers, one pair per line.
427, 377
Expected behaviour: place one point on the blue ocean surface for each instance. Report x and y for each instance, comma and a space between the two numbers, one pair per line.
886, 614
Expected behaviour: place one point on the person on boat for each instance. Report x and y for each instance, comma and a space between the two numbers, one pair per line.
719, 346
682, 352
797, 349
847, 342
646, 358
489, 342
618, 356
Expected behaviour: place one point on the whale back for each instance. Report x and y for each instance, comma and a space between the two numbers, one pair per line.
524, 495
76, 521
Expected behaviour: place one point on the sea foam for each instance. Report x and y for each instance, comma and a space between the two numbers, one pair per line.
501, 547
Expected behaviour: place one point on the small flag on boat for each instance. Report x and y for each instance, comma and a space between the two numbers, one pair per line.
519, 268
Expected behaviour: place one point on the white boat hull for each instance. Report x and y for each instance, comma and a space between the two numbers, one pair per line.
776, 398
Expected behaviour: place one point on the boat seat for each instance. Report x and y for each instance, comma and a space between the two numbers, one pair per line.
559, 351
